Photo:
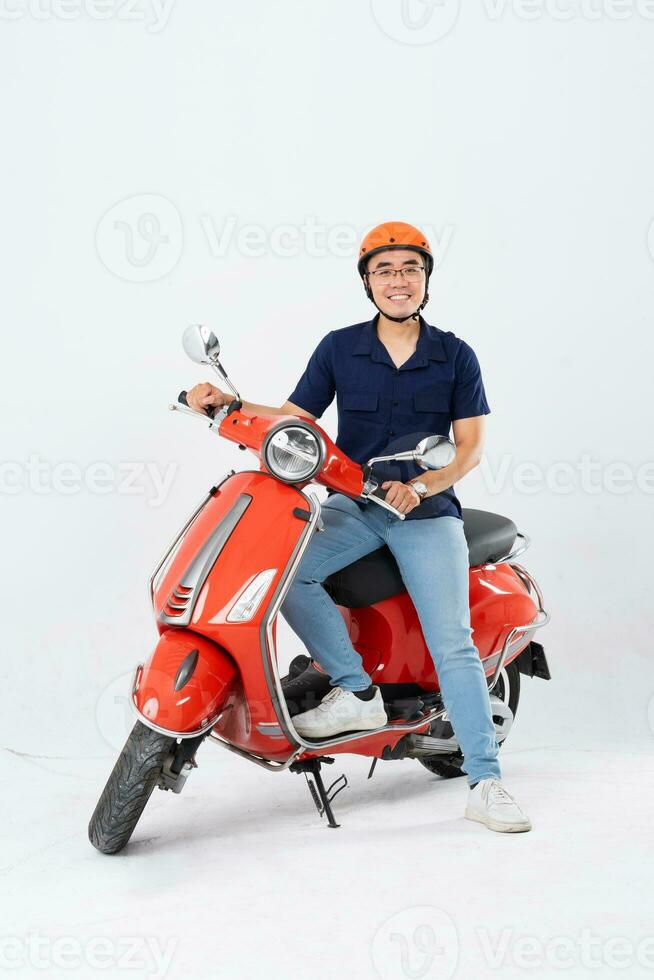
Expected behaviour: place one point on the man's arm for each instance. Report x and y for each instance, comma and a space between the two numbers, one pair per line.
288, 408
469, 442
469, 437
206, 395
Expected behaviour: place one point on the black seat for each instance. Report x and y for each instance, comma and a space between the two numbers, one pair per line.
376, 576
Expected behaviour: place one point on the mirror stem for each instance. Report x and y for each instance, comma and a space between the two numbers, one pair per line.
220, 371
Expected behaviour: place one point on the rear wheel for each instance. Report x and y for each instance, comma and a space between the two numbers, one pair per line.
449, 766
128, 789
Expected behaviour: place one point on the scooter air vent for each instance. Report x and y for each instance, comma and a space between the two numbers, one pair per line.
178, 608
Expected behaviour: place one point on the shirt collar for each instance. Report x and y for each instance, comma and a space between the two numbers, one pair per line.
429, 347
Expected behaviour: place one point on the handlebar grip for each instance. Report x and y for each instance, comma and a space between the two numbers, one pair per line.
210, 410
379, 493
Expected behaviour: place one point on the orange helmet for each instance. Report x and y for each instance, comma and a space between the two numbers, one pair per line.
395, 234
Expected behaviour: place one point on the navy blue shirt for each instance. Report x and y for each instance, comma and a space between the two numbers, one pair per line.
383, 409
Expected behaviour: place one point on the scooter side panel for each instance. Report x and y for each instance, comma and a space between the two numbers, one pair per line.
390, 640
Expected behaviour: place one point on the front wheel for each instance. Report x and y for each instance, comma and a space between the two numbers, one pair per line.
508, 690
128, 789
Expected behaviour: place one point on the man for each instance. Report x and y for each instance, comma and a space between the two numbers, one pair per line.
396, 378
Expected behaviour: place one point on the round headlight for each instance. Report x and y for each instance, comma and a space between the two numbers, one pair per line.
293, 453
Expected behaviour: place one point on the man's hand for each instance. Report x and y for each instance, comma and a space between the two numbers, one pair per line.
204, 396
401, 496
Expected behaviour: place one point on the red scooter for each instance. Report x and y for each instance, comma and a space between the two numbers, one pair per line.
216, 593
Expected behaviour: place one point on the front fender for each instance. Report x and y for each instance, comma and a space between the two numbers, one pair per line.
184, 684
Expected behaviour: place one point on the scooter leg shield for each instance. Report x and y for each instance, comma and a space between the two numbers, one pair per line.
184, 684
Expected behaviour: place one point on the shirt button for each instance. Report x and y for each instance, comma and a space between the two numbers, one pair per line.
391, 433
395, 404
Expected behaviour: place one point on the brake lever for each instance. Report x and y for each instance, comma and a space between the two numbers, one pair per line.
378, 496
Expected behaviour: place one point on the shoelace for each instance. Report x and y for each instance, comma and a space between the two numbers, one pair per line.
497, 794
329, 698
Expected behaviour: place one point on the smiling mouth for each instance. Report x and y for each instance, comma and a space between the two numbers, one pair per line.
399, 297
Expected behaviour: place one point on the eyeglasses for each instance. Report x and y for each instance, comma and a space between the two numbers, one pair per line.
411, 274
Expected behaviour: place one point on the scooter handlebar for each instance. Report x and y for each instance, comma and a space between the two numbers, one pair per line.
183, 400
379, 493
381, 496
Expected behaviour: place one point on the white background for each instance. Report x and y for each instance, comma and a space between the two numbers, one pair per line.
165, 165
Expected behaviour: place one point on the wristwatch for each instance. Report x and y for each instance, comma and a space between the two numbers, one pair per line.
420, 488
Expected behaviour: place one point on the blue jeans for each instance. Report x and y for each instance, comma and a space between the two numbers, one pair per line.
432, 557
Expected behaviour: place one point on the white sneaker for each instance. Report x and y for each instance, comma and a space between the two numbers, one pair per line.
341, 711
491, 804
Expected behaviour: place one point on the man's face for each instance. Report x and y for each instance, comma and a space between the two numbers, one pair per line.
395, 294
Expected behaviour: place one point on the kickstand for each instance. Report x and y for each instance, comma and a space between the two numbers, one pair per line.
321, 797
372, 768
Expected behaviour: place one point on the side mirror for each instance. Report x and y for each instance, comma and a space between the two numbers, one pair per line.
201, 344
434, 452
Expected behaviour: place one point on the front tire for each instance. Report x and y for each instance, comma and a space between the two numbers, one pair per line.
129, 788
508, 690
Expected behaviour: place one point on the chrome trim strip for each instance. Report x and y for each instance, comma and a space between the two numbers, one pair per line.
196, 574
270, 729
542, 618
182, 531
520, 550
157, 728
265, 763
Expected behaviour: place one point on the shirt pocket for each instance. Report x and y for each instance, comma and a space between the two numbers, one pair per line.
433, 406
361, 404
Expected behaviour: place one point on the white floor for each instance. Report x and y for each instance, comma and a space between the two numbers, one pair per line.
238, 877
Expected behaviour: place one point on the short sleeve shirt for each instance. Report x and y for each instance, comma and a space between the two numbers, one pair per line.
383, 409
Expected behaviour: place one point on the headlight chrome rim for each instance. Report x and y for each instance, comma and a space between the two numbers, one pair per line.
295, 424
